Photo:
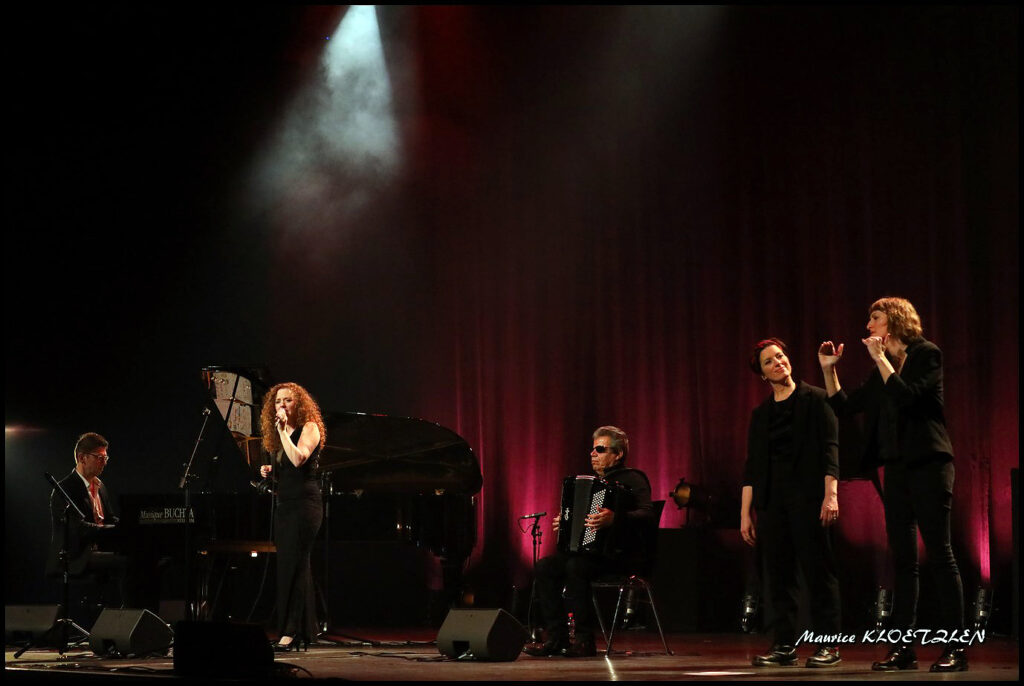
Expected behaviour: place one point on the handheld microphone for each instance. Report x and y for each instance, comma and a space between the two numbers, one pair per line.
535, 514
262, 487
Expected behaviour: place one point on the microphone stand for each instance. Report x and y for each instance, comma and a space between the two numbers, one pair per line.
326, 491
535, 533
191, 610
63, 621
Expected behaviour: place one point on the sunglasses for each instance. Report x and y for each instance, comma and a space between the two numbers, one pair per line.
601, 449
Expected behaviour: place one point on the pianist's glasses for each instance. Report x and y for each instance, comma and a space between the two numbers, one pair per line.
105, 458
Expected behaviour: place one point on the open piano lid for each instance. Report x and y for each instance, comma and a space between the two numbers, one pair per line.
384, 454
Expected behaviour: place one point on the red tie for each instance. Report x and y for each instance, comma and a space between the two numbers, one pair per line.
97, 506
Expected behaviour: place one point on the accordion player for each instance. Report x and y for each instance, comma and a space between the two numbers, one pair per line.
585, 495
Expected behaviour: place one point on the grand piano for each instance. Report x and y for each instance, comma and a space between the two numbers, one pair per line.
384, 478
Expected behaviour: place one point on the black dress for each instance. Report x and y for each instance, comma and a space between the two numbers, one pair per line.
299, 514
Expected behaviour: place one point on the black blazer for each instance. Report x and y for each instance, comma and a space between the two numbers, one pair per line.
914, 398
83, 536
630, 541
815, 442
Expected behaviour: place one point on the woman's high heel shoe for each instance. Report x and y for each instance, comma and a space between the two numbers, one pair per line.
297, 643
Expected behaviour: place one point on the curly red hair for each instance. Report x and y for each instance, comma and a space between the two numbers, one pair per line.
306, 411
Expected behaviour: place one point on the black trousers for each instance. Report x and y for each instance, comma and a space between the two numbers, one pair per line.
573, 573
790, 532
295, 530
920, 497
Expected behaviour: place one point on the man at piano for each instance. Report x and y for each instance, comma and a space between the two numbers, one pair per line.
624, 552
85, 536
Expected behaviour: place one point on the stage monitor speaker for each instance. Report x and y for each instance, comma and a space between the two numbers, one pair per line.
492, 635
127, 631
222, 649
28, 622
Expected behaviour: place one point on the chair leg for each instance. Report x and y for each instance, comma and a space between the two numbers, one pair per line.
597, 612
654, 611
615, 618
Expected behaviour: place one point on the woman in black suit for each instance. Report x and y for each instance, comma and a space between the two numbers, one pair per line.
294, 433
791, 480
906, 431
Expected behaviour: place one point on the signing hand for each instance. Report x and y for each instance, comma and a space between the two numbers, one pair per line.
599, 520
829, 355
875, 346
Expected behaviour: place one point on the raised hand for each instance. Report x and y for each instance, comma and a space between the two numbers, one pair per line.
829, 354
875, 346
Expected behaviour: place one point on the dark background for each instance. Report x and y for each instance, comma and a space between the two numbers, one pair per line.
594, 214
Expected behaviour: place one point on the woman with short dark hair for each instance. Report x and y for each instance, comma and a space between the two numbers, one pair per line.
791, 482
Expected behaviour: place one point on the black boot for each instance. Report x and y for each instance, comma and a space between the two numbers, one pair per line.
582, 646
778, 655
899, 658
952, 660
554, 645
826, 656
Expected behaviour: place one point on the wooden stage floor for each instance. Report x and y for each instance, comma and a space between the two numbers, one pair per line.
411, 655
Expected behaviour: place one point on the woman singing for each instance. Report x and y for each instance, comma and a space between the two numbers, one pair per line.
791, 480
906, 431
293, 432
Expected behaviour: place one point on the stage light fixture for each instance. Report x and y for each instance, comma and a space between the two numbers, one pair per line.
882, 608
982, 608
750, 605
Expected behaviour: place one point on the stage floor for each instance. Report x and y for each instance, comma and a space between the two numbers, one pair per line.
411, 655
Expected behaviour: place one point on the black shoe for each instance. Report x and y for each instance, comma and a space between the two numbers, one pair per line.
827, 656
582, 647
552, 646
897, 659
777, 656
953, 660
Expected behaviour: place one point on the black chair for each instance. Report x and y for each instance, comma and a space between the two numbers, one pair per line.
637, 585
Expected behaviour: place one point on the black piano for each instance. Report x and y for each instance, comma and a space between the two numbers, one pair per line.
385, 479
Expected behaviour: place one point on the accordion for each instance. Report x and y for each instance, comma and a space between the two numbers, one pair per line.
581, 496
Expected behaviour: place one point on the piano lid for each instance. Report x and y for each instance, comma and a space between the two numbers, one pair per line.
384, 454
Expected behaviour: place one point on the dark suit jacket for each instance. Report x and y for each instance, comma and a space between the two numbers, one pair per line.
913, 398
815, 443
630, 540
83, 536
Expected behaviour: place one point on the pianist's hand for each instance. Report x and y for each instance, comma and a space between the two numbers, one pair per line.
602, 518
265, 470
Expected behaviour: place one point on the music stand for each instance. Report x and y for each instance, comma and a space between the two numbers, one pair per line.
63, 621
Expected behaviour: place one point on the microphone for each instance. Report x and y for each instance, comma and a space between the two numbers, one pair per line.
535, 514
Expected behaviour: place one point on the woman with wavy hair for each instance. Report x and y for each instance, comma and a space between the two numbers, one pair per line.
293, 434
906, 433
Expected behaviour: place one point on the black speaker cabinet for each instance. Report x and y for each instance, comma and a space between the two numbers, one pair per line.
129, 632
222, 649
28, 622
492, 635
